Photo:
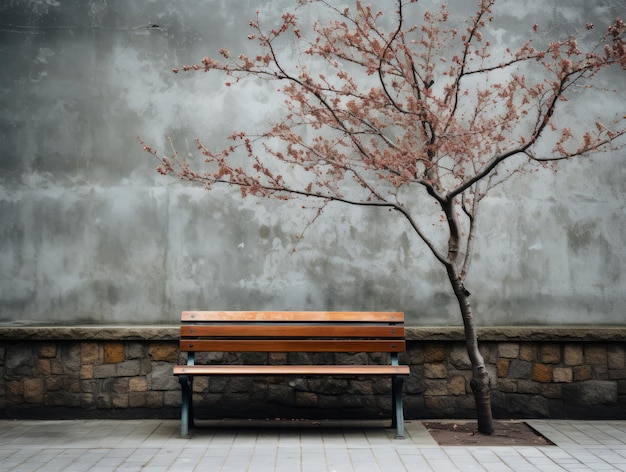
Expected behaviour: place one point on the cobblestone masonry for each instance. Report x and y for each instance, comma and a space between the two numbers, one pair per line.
571, 378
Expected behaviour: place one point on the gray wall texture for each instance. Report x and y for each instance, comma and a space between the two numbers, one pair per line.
90, 233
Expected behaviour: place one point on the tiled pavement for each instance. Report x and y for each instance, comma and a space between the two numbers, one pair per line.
155, 445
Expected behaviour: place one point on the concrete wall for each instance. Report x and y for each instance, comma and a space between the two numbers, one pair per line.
90, 233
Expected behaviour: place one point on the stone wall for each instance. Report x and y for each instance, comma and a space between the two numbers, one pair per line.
127, 372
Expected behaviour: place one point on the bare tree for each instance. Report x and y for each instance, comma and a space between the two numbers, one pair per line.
383, 111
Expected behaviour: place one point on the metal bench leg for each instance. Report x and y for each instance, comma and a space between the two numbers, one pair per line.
397, 418
186, 416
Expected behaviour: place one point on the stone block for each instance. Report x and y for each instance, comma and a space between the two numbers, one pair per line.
301, 384
582, 372
458, 357
528, 352
154, 400
90, 353
361, 387
47, 351
52, 383
115, 386
507, 385
596, 354
62, 398
137, 384
197, 398
327, 385
57, 367
502, 367
14, 391
552, 391
435, 387
520, 369
508, 350
562, 374
201, 384
347, 401
414, 384
600, 372
456, 385
542, 373
590, 393
146, 366
162, 378
161, 351
435, 371
119, 401
283, 394
617, 374
135, 350
573, 354
616, 356
73, 385
532, 405
44, 367
89, 386
550, 353
277, 358
255, 358
87, 401
69, 357
172, 399
34, 390
443, 405
137, 399
20, 361
415, 355
114, 352
104, 371
528, 386
131, 368
434, 352
307, 399
380, 385
237, 384
349, 359
217, 384
86, 372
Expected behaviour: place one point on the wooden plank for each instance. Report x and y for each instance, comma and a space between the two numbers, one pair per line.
279, 345
292, 370
335, 316
293, 331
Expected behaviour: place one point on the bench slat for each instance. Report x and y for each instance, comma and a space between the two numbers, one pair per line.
278, 316
292, 370
293, 331
282, 345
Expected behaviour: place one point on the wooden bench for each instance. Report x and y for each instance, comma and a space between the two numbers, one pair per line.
283, 331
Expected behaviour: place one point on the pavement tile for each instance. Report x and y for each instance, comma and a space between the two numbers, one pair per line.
155, 446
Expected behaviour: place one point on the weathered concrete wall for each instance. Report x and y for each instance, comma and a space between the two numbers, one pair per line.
90, 233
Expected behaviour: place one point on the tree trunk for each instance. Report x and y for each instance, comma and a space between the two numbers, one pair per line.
480, 382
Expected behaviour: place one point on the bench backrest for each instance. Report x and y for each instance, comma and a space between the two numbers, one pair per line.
291, 331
